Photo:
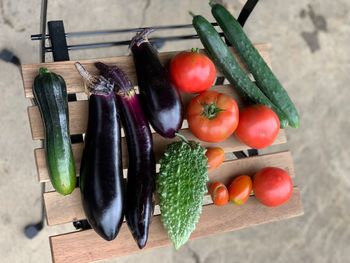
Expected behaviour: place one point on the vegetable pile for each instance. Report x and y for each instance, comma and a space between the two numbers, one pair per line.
212, 117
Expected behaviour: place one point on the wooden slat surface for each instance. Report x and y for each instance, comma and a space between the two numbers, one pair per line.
63, 209
74, 82
87, 246
78, 114
230, 145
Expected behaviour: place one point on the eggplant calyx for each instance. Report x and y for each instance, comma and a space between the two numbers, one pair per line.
125, 92
210, 110
95, 85
141, 37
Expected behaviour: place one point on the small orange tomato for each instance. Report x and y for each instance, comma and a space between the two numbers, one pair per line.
219, 193
240, 189
216, 156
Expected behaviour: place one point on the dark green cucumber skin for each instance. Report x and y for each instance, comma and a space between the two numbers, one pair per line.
263, 75
228, 65
50, 93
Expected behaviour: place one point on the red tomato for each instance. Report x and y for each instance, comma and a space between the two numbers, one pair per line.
192, 72
216, 156
258, 126
272, 186
240, 189
212, 116
219, 193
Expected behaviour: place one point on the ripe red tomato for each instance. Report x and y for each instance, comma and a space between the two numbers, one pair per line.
240, 189
216, 156
219, 193
212, 116
192, 72
272, 186
258, 126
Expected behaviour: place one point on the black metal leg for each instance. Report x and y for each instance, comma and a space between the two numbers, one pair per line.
8, 56
81, 225
32, 230
246, 11
253, 152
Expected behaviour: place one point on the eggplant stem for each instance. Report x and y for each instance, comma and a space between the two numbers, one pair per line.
94, 85
183, 138
141, 37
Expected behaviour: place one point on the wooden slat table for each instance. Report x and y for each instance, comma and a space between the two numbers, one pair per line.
87, 246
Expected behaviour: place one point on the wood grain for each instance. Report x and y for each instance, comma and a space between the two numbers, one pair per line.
232, 144
79, 110
63, 209
87, 246
74, 82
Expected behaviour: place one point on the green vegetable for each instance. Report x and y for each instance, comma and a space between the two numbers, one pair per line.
228, 65
263, 75
50, 93
181, 185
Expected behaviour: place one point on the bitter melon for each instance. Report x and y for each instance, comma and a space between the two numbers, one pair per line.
181, 185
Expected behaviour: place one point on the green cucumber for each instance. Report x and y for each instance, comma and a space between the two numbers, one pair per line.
50, 93
263, 75
230, 68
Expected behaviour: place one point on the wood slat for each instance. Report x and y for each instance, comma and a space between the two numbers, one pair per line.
232, 144
78, 113
87, 246
63, 209
74, 82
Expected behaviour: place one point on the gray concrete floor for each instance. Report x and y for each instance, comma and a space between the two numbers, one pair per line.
311, 56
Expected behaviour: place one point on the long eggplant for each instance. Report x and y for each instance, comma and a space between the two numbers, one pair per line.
142, 167
161, 100
101, 175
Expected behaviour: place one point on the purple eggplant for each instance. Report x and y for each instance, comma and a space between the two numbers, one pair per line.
101, 175
160, 99
142, 166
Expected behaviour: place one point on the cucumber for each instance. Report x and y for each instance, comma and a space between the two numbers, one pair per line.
263, 75
50, 93
228, 65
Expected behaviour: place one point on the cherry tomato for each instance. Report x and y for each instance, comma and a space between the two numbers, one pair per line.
272, 186
240, 189
216, 156
219, 193
258, 126
192, 72
212, 116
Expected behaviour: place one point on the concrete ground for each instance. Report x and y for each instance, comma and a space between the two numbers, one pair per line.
311, 56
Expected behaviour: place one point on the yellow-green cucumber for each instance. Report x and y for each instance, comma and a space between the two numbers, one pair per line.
229, 66
264, 77
51, 96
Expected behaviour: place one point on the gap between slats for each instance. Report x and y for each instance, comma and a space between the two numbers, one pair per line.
87, 246
63, 209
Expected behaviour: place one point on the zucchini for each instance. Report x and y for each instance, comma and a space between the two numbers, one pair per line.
264, 77
50, 93
229, 67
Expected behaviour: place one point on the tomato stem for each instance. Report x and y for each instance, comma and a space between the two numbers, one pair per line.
210, 110
195, 50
